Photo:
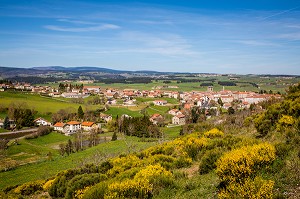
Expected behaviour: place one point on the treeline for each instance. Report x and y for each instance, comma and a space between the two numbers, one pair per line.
34, 79
138, 126
226, 83
181, 80
5, 81
206, 84
133, 80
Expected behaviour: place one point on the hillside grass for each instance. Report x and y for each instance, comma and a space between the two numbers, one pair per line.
32, 154
114, 111
39, 103
44, 169
157, 109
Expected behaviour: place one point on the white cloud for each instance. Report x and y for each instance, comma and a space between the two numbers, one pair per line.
255, 43
290, 36
82, 29
77, 22
164, 44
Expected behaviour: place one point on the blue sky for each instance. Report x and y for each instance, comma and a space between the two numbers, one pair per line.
218, 36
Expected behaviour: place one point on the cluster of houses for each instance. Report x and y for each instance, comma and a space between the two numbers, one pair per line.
68, 128
201, 98
72, 127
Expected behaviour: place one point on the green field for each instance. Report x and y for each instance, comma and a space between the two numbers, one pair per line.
157, 109
114, 111
39, 103
243, 84
44, 168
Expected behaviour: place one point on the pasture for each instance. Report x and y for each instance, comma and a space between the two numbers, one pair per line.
44, 105
32, 155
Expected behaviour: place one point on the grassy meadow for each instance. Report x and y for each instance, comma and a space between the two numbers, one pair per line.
35, 164
39, 103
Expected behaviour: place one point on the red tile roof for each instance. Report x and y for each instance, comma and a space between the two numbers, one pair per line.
59, 124
73, 123
87, 124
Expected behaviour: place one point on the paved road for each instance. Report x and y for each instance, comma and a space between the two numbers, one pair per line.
20, 131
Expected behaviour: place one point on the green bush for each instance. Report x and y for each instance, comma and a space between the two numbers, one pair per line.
97, 191
208, 161
82, 181
182, 162
59, 186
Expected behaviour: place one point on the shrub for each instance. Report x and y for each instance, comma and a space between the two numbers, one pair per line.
192, 146
242, 163
97, 191
146, 182
213, 133
164, 160
48, 184
123, 163
80, 182
129, 189
237, 168
29, 188
252, 189
208, 161
183, 162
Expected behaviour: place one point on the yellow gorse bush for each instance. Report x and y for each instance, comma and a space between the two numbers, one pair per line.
141, 186
153, 171
124, 163
284, 122
213, 133
241, 163
187, 146
48, 184
29, 187
80, 193
129, 189
251, 189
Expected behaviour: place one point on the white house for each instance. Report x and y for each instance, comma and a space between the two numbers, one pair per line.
92, 89
42, 122
59, 126
87, 126
74, 126
178, 119
160, 102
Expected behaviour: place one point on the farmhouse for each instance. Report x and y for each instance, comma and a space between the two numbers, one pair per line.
173, 112
87, 126
72, 127
59, 126
92, 89
178, 119
42, 122
156, 118
160, 102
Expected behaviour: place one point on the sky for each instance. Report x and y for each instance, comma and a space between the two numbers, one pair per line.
204, 36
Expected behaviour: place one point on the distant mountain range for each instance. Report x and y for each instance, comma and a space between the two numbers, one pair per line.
13, 71
52, 71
